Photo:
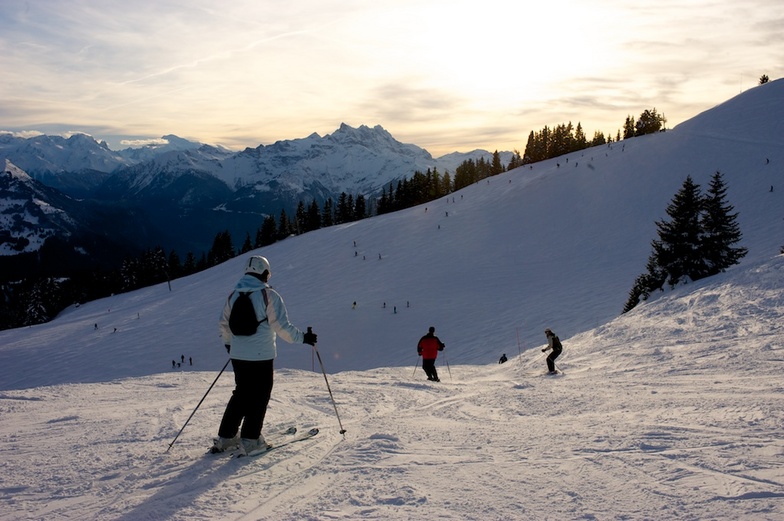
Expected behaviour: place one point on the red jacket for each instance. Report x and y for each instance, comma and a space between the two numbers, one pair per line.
429, 346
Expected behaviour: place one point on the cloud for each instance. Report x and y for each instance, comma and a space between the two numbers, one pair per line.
143, 142
24, 134
403, 102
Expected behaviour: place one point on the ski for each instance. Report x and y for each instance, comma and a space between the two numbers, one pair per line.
282, 434
273, 446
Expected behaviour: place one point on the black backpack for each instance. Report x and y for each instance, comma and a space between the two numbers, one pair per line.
242, 320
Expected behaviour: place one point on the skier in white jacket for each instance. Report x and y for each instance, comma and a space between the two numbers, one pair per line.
252, 358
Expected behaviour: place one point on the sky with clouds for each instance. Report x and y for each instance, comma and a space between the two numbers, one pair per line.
446, 75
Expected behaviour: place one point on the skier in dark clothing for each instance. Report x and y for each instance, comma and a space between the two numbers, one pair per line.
554, 343
428, 348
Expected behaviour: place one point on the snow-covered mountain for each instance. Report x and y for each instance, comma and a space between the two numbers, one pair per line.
189, 191
671, 411
30, 213
268, 178
45, 232
166, 144
73, 165
352, 160
49, 155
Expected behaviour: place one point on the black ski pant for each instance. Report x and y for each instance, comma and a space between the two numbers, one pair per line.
248, 402
551, 360
429, 365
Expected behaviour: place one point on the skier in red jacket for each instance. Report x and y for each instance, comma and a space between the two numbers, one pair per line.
428, 348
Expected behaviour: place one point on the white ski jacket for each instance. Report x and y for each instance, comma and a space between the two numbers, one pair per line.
262, 345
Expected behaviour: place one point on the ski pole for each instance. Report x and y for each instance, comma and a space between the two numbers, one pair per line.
447, 367
199, 405
342, 430
415, 368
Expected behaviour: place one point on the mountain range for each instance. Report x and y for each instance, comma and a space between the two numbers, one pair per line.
178, 194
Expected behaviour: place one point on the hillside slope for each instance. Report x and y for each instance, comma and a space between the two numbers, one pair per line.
557, 245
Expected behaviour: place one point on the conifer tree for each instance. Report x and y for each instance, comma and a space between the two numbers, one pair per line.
313, 217
189, 266
327, 215
268, 231
650, 121
222, 248
678, 250
301, 218
530, 149
284, 225
36, 309
496, 166
360, 207
580, 142
697, 242
720, 229
247, 245
628, 127
515, 161
446, 184
175, 267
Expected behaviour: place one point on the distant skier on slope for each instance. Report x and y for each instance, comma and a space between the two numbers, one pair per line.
252, 357
428, 348
554, 343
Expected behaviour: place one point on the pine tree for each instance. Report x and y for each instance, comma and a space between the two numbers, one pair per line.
313, 217
653, 279
222, 249
580, 141
515, 161
36, 312
301, 218
247, 245
650, 121
175, 267
637, 293
697, 242
129, 274
678, 250
496, 167
284, 225
529, 155
327, 215
189, 266
628, 127
599, 139
360, 207
446, 184
720, 229
268, 231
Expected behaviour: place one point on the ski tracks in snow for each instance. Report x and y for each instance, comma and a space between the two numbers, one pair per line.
493, 443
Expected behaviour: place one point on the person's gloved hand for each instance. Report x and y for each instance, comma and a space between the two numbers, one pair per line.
310, 337
228, 348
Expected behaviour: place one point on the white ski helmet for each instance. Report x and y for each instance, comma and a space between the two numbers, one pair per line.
258, 264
